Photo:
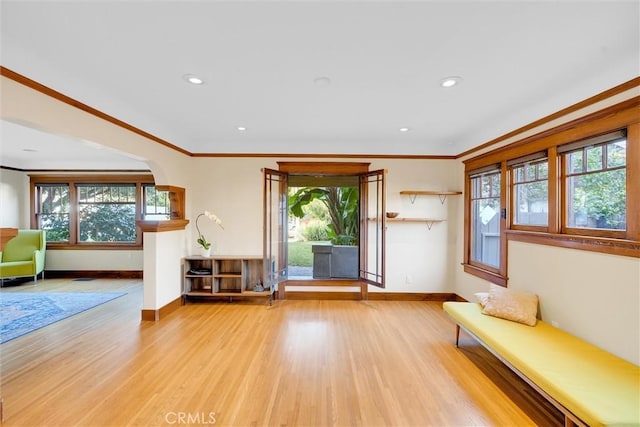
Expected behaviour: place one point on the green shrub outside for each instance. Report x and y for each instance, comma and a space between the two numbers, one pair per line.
315, 230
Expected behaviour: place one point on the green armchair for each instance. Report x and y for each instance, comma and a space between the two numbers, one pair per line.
24, 255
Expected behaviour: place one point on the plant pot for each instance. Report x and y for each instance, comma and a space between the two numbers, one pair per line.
205, 252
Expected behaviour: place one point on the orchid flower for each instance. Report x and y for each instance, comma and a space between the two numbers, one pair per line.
202, 241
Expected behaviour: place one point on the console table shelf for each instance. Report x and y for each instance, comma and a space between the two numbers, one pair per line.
223, 277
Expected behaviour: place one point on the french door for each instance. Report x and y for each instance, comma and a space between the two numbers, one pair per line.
275, 229
371, 233
372, 228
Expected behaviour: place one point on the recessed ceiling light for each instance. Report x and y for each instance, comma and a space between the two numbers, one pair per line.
193, 79
322, 81
404, 129
241, 128
30, 150
450, 81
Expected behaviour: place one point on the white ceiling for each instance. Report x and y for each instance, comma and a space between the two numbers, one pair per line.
519, 60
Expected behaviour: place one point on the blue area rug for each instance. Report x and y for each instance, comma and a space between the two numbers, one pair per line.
24, 312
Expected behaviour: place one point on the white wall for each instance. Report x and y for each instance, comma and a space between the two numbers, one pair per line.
232, 189
162, 277
592, 295
14, 199
72, 260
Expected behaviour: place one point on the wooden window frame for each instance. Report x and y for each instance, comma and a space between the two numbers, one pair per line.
512, 188
565, 174
497, 275
72, 181
624, 115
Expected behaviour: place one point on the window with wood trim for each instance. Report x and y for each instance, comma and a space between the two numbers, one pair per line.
594, 191
530, 192
156, 204
95, 211
53, 211
485, 218
576, 186
106, 212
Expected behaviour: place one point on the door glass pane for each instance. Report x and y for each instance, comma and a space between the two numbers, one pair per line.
275, 228
372, 229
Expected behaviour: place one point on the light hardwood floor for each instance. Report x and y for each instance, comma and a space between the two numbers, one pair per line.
297, 363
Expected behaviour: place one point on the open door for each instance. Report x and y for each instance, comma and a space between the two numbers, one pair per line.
372, 229
275, 230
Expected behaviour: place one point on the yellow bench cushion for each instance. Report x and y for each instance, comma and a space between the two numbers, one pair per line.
598, 387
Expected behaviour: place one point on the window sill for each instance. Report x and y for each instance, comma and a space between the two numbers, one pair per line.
93, 246
485, 274
605, 245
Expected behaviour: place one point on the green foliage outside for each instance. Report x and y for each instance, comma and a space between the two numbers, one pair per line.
57, 227
108, 223
315, 230
342, 207
107, 213
598, 199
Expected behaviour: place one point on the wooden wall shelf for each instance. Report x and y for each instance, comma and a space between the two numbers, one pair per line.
428, 221
442, 194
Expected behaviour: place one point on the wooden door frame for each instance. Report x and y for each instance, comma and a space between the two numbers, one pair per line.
325, 168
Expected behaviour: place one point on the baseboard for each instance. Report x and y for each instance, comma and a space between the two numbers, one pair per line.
346, 296
155, 315
95, 274
372, 296
411, 296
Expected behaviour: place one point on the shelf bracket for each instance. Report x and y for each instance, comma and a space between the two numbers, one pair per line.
442, 198
412, 198
430, 224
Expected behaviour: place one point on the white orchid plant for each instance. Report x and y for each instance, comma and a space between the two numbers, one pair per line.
202, 241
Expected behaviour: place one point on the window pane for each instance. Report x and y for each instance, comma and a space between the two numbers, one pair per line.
486, 186
575, 162
597, 200
53, 211
594, 158
543, 170
485, 237
107, 213
485, 221
495, 185
617, 154
532, 203
518, 174
531, 172
157, 205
